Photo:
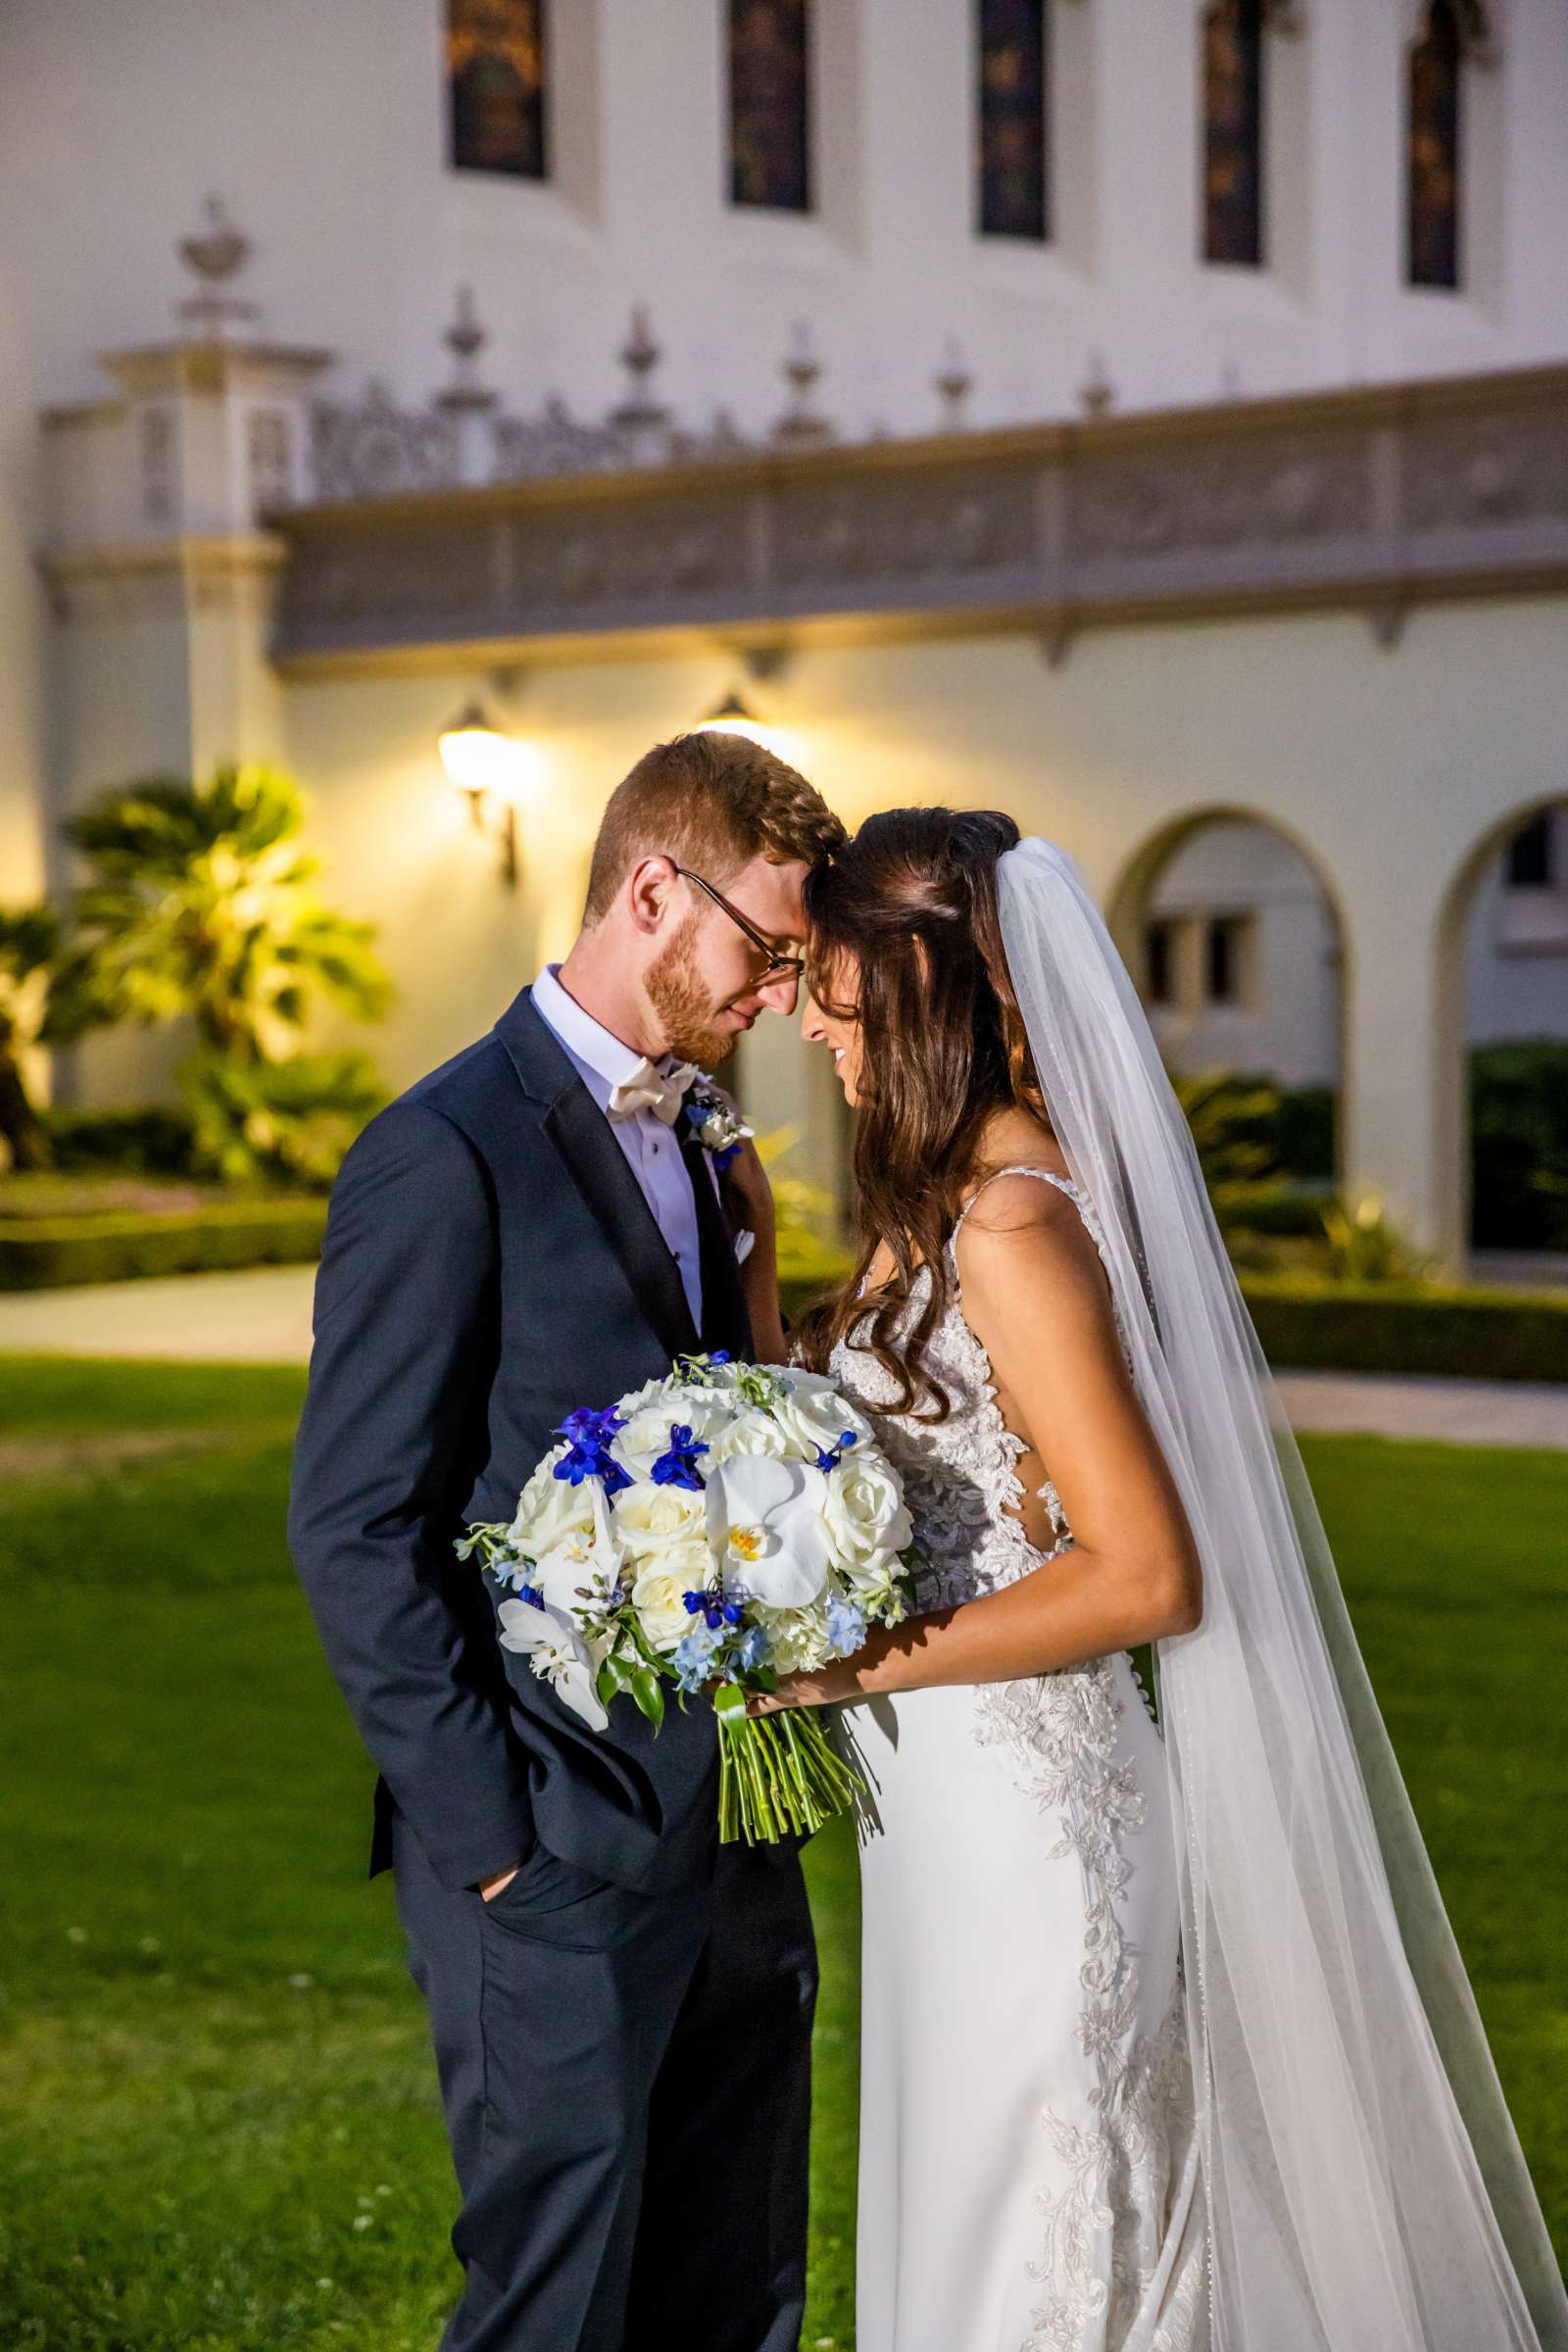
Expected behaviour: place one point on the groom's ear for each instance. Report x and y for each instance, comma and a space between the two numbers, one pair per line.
647, 892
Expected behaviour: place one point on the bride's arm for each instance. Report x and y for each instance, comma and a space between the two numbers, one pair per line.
1036, 1295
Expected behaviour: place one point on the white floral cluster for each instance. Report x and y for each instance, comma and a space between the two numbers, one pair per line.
729, 1523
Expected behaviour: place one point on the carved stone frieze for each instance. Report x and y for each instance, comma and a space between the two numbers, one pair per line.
916, 526
1474, 472
1265, 493
1375, 497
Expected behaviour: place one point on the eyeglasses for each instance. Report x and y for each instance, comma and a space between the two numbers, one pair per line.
777, 966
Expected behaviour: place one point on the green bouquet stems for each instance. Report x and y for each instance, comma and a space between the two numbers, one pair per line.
779, 1775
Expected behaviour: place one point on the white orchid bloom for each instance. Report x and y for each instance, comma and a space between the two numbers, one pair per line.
765, 1530
556, 1653
578, 1573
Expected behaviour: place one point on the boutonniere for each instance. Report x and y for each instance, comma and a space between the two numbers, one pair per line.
714, 1122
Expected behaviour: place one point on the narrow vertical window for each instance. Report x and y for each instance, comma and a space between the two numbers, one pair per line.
1529, 860
769, 104
1233, 131
1436, 68
1013, 154
1160, 962
497, 87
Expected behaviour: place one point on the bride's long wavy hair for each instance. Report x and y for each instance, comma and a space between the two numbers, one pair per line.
904, 922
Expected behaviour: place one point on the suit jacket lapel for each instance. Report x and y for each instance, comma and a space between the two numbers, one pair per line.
580, 1134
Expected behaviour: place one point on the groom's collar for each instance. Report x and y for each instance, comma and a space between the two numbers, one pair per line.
598, 1052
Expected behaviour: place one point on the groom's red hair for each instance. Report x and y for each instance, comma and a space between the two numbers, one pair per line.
711, 801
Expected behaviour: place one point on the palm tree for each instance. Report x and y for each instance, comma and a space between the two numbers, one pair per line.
201, 905
29, 937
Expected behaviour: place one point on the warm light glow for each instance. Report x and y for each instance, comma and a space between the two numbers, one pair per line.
733, 716
479, 759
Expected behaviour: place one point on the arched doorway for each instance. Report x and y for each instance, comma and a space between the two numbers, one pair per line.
1234, 938
1504, 1100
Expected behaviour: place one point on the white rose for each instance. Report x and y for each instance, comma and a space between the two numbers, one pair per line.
551, 1508
749, 1431
646, 1434
765, 1530
658, 1591
864, 1509
815, 1417
648, 1519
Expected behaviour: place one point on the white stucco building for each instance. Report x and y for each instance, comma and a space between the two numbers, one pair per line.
1069, 513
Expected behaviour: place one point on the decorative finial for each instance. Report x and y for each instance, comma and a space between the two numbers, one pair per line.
466, 338
1096, 395
218, 254
800, 426
954, 384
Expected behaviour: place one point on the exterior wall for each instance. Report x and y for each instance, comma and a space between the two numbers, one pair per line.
324, 130
1391, 768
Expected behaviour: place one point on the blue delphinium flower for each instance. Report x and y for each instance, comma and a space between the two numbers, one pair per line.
845, 1626
676, 1466
531, 1595
715, 1609
693, 1657
829, 1457
588, 1435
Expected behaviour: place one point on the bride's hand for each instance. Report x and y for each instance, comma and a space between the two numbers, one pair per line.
821, 1690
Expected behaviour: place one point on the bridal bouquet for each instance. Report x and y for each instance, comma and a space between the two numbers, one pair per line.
719, 1527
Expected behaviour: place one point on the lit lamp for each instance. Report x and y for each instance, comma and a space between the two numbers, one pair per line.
734, 716
483, 762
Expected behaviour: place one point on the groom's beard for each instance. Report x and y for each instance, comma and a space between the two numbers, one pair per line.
683, 1004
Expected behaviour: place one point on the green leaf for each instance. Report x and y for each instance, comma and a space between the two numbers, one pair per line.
649, 1693
729, 1699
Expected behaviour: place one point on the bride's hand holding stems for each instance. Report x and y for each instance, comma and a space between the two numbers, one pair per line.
1036, 1296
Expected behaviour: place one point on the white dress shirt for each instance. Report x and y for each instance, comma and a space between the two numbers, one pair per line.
653, 1153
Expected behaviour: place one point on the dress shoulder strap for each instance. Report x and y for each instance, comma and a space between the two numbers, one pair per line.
1064, 1184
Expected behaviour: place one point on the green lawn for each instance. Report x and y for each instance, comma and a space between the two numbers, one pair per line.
222, 2122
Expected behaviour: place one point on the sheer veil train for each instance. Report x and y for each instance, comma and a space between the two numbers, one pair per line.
1366, 2190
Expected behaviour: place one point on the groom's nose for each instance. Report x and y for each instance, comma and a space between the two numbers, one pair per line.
781, 994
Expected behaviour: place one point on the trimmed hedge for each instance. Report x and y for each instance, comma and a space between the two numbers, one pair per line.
40, 1253
1319, 1326
1407, 1327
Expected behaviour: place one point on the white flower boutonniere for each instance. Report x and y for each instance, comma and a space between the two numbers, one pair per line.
714, 1122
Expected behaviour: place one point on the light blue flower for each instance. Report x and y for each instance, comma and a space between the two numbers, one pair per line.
755, 1649
693, 1657
845, 1626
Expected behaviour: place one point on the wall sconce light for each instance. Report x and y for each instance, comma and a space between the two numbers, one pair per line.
734, 716
482, 762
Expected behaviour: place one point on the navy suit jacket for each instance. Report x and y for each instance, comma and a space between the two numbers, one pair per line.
490, 1263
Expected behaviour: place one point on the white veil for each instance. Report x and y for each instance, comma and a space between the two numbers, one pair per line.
1366, 2190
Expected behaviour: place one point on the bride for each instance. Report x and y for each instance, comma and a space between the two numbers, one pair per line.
1166, 2046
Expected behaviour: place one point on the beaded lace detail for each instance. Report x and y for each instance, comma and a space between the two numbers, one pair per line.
960, 1476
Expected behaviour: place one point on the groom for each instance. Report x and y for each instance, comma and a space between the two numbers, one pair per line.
620, 2007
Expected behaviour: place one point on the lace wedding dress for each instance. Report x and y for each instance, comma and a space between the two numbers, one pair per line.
1028, 2170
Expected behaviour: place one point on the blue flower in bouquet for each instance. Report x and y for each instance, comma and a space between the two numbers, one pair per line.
693, 1657
829, 1457
676, 1466
588, 1435
715, 1609
846, 1625
754, 1649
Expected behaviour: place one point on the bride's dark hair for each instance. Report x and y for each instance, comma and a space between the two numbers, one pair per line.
906, 912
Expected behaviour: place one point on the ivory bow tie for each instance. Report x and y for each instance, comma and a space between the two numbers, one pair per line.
662, 1091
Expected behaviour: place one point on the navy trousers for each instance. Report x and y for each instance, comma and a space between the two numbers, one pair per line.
626, 2080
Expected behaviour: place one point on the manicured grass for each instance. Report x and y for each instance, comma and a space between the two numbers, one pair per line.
223, 2129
